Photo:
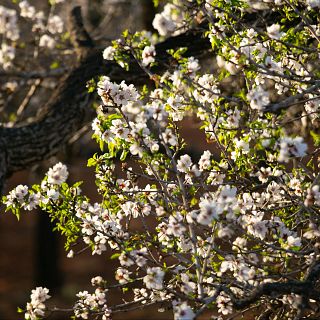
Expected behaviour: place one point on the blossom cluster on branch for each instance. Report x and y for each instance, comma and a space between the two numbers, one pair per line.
235, 227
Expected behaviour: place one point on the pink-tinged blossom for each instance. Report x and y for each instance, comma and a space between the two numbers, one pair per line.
7, 55
125, 260
274, 32
8, 23
258, 98
226, 232
232, 120
108, 53
224, 304
258, 228
227, 194
119, 129
313, 3
291, 147
183, 311
313, 232
148, 55
187, 286
154, 278
207, 89
264, 174
122, 275
47, 41
169, 137
175, 226
91, 301
204, 162
32, 202
27, 11
293, 242
36, 308
100, 241
239, 244
312, 108
208, 211
313, 196
136, 150
164, 25
168, 21
20, 192
141, 295
58, 174
184, 163
192, 65
55, 24
245, 273
119, 94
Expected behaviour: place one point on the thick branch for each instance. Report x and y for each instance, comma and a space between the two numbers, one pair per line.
79, 36
305, 288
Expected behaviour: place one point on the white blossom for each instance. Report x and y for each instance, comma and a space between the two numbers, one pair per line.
183, 312
154, 278
47, 41
108, 53
55, 24
291, 147
204, 162
148, 54
258, 98
58, 174
8, 23
184, 163
274, 31
313, 3
27, 11
36, 308
7, 55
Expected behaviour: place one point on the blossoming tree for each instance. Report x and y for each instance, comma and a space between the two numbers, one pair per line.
232, 232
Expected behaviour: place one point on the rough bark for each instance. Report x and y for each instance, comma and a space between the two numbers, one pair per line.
306, 288
64, 113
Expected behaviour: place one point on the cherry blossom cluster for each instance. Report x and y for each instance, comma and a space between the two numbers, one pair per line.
36, 307
170, 20
92, 303
47, 29
10, 32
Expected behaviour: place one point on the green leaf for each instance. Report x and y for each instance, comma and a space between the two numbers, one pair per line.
101, 144
54, 65
91, 162
194, 201
19, 310
316, 138
123, 155
91, 86
115, 256
125, 33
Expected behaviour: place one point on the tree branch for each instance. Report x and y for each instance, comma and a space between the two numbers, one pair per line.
288, 102
305, 288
